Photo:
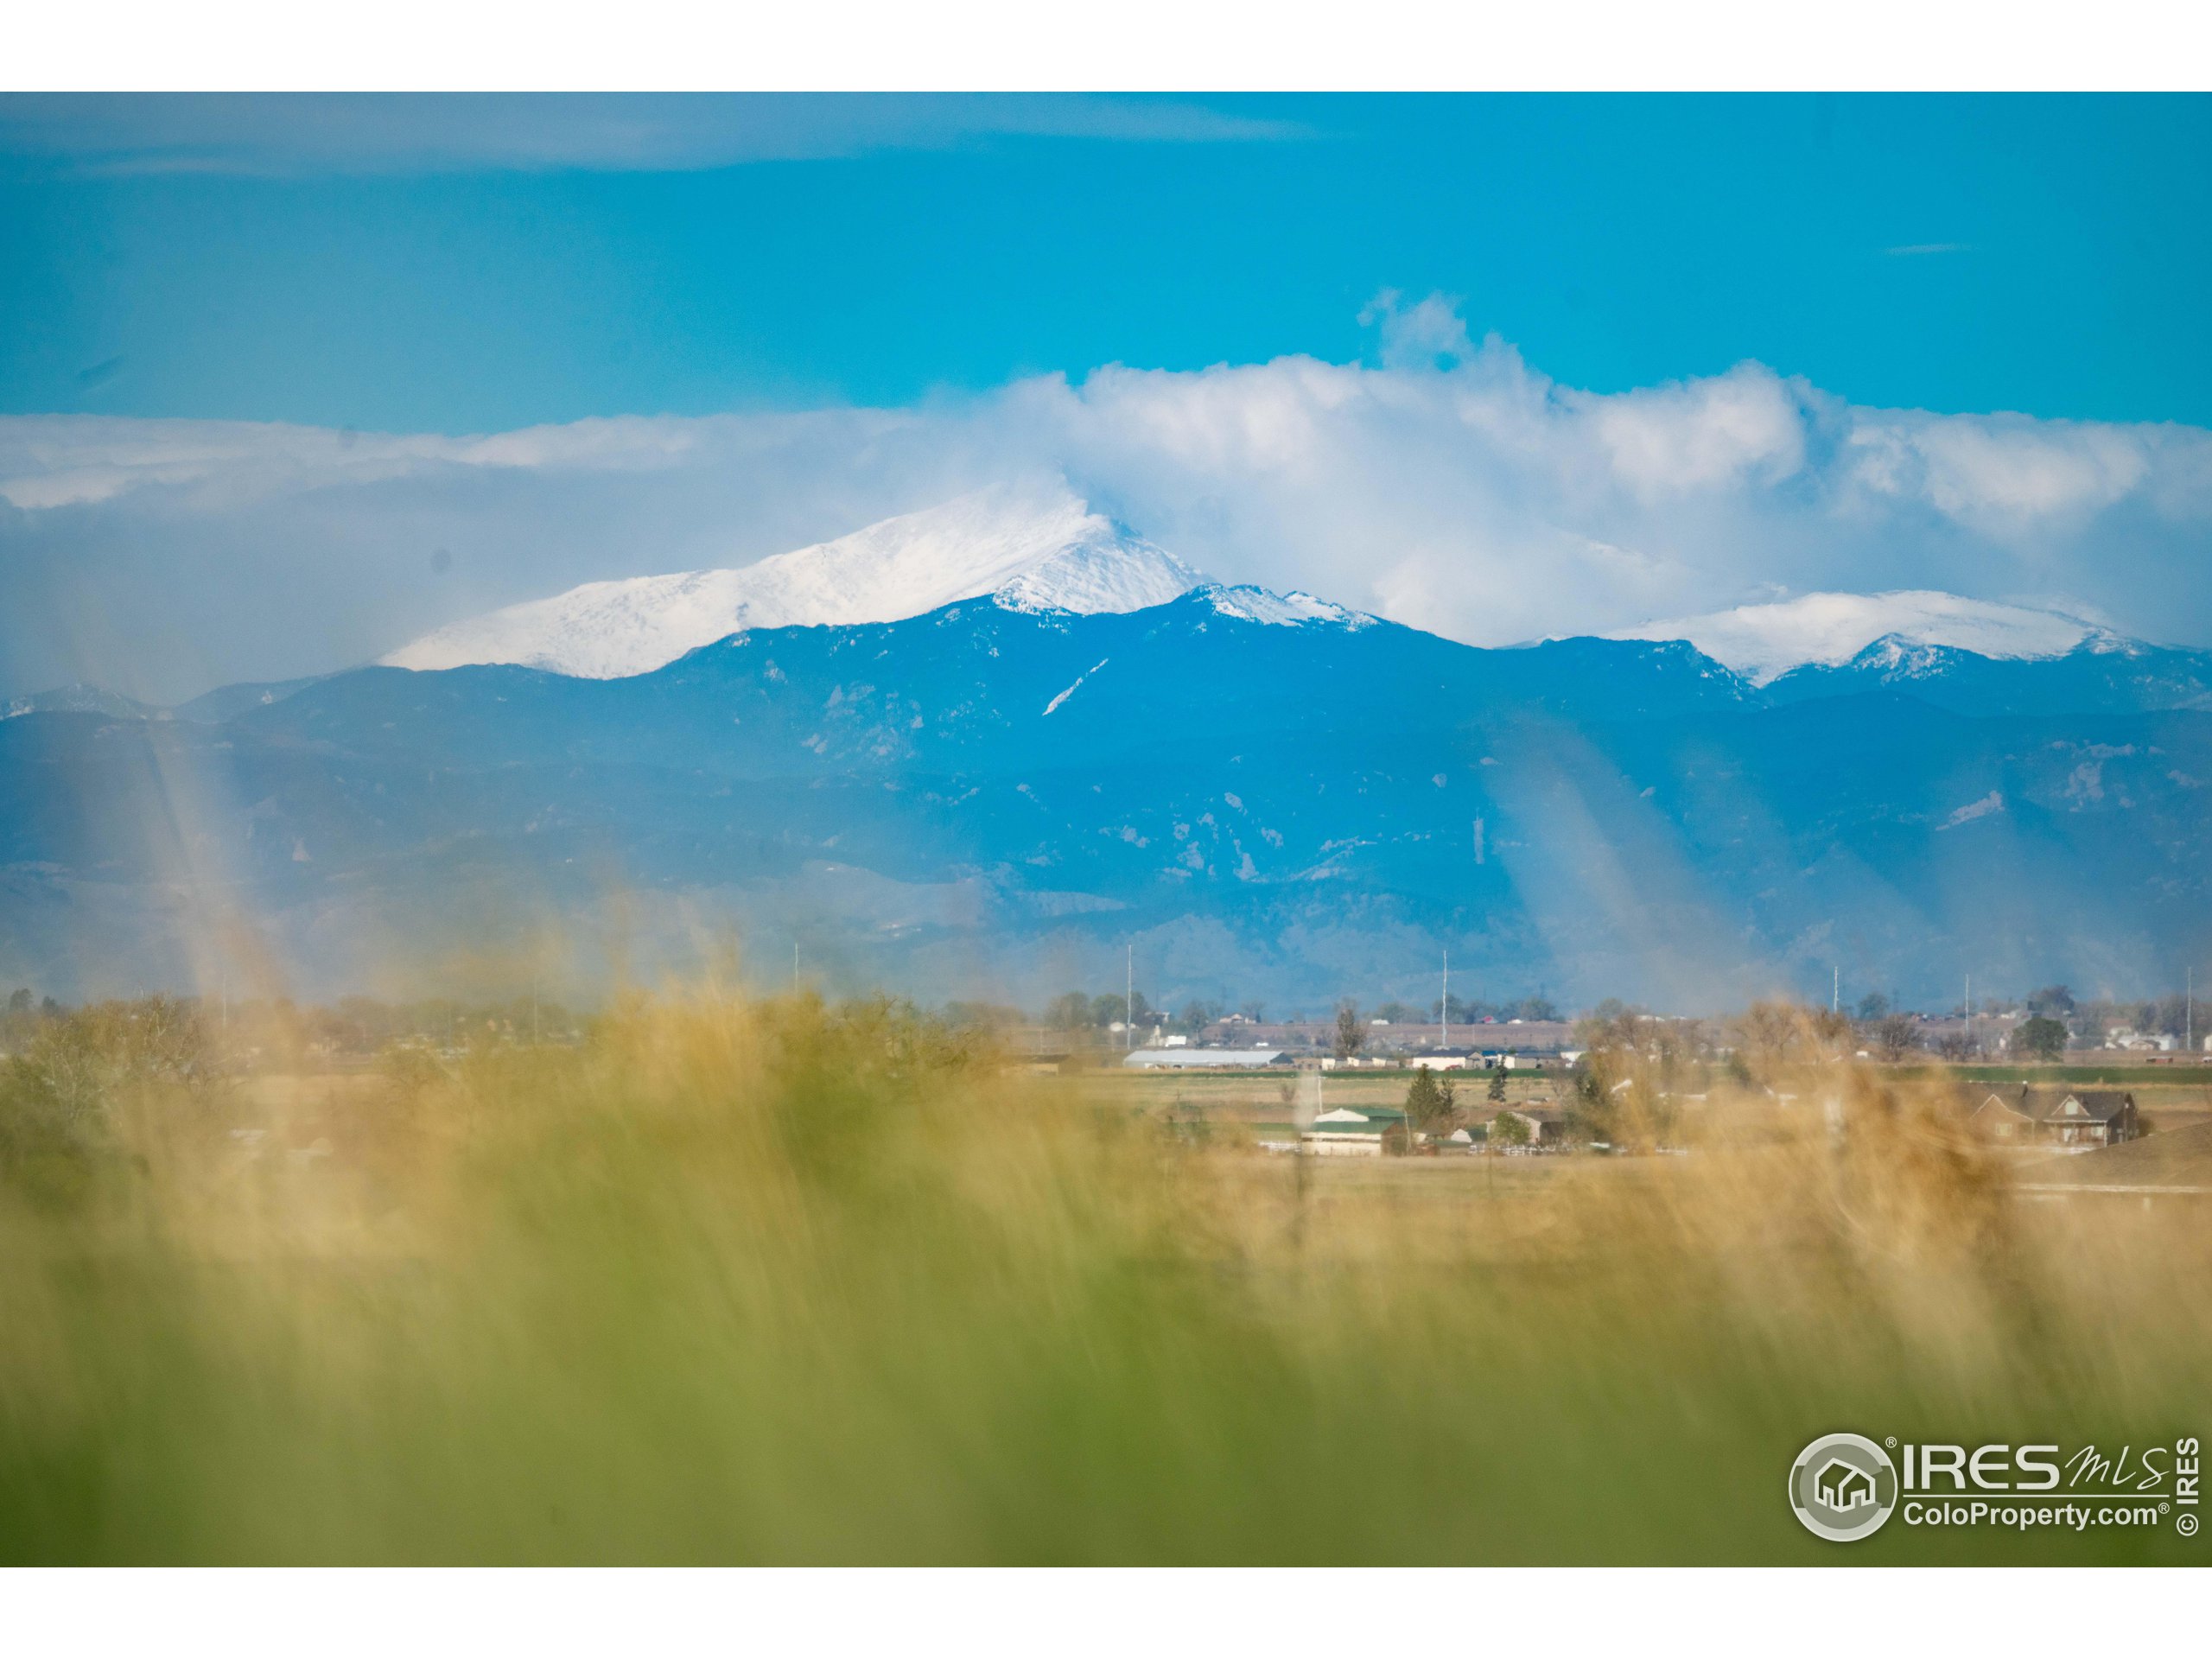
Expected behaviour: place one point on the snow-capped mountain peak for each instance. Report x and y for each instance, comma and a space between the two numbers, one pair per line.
1102, 569
1764, 642
1030, 551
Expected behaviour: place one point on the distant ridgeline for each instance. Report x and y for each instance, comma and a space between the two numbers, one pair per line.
1263, 795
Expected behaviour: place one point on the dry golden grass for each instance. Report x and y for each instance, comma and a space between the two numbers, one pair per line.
775, 1282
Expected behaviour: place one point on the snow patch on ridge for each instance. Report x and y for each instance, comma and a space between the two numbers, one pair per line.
1282, 610
1077, 686
1764, 642
1104, 570
1047, 552
1992, 802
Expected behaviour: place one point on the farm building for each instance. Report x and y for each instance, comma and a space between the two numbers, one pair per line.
1351, 1131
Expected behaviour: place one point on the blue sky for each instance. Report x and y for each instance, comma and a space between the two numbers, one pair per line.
1499, 367
327, 262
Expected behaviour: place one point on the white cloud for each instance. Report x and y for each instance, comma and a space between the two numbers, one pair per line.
1453, 487
288, 134
1742, 427
1426, 334
2010, 477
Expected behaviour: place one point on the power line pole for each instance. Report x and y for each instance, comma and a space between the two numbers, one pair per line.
1444, 1008
1130, 999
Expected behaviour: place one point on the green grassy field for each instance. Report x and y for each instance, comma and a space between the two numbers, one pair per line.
2117, 1075
1269, 1093
778, 1283
2172, 1096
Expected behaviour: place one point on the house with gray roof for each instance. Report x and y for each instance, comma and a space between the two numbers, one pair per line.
2066, 1117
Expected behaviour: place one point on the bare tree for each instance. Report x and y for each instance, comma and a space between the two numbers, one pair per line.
1897, 1035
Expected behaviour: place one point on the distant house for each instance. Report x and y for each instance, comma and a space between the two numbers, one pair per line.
2004, 1117
2067, 1117
1443, 1060
2126, 1037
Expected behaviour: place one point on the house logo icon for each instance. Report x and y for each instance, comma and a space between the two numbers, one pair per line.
1843, 1487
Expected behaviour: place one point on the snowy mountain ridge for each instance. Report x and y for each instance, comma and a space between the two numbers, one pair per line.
1029, 553
1290, 610
1764, 642
1038, 552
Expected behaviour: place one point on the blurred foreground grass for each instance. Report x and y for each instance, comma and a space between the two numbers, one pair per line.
781, 1283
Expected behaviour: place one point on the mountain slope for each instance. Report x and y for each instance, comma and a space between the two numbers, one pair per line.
1035, 553
978, 684
1262, 793
2101, 673
78, 699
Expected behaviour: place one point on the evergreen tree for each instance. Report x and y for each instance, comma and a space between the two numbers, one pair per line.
1429, 1106
2039, 1039
1351, 1036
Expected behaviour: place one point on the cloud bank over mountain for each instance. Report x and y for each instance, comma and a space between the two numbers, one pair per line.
1446, 483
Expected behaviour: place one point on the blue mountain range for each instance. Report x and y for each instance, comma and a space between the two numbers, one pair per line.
1258, 796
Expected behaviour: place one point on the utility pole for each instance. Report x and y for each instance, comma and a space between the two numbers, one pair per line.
1130, 998
1444, 1008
